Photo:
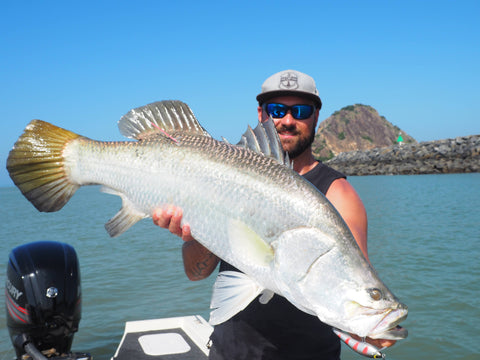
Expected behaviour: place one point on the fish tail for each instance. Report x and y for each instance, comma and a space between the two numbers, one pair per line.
36, 165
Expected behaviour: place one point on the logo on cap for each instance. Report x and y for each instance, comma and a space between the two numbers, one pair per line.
288, 81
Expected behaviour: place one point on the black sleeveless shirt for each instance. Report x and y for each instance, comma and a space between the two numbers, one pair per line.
277, 330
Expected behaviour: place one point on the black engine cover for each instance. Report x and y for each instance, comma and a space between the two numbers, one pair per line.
43, 296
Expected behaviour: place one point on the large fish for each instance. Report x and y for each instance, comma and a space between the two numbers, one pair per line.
241, 201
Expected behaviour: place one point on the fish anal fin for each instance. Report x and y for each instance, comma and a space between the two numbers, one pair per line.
232, 292
244, 240
125, 218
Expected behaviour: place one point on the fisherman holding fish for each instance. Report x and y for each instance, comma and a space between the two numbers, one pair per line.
278, 329
294, 274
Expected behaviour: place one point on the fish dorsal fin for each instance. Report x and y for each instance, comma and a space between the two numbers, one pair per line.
264, 140
169, 116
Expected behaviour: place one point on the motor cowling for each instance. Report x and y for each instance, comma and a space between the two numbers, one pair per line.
43, 296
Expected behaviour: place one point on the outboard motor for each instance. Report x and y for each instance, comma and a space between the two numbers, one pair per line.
43, 300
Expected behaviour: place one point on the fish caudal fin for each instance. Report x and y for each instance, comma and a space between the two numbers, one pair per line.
36, 165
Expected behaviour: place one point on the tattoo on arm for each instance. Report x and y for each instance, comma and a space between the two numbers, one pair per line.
203, 266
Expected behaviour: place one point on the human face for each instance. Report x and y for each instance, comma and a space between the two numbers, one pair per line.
296, 136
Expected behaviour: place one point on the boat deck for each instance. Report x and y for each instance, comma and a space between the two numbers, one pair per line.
177, 338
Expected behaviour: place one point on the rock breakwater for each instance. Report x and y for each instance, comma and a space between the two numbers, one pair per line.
458, 155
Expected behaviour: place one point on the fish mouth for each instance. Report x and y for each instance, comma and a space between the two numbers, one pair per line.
396, 333
376, 323
387, 327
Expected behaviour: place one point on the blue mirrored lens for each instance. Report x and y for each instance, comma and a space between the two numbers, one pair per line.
277, 110
299, 112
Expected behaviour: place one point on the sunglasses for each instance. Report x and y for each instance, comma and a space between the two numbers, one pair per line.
299, 112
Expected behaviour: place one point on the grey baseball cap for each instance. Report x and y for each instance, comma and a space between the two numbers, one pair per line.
289, 82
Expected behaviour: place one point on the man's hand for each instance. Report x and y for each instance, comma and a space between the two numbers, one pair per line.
198, 261
171, 218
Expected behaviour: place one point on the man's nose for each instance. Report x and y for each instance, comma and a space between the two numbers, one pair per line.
288, 119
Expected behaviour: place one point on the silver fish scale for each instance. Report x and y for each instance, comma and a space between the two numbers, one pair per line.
240, 157
211, 181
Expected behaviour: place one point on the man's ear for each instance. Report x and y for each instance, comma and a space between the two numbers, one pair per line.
260, 111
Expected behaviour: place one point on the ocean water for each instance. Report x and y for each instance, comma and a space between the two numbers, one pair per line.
424, 240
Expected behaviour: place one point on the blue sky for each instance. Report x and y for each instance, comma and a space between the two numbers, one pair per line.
82, 65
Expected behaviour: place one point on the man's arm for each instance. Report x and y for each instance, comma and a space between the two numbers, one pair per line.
343, 196
198, 261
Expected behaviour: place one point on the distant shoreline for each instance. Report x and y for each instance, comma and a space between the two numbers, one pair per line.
458, 155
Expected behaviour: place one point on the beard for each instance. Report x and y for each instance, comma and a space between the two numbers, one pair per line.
297, 146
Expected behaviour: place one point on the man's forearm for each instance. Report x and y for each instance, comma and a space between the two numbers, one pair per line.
198, 261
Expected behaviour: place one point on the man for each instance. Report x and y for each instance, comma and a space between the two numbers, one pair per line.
278, 330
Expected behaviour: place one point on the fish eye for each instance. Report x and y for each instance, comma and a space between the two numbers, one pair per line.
375, 294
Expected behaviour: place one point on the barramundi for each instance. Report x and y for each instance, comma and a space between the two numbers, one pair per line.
243, 202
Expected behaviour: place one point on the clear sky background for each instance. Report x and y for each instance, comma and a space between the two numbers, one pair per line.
82, 65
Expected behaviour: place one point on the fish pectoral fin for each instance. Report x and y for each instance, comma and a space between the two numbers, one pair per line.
248, 244
232, 292
125, 218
